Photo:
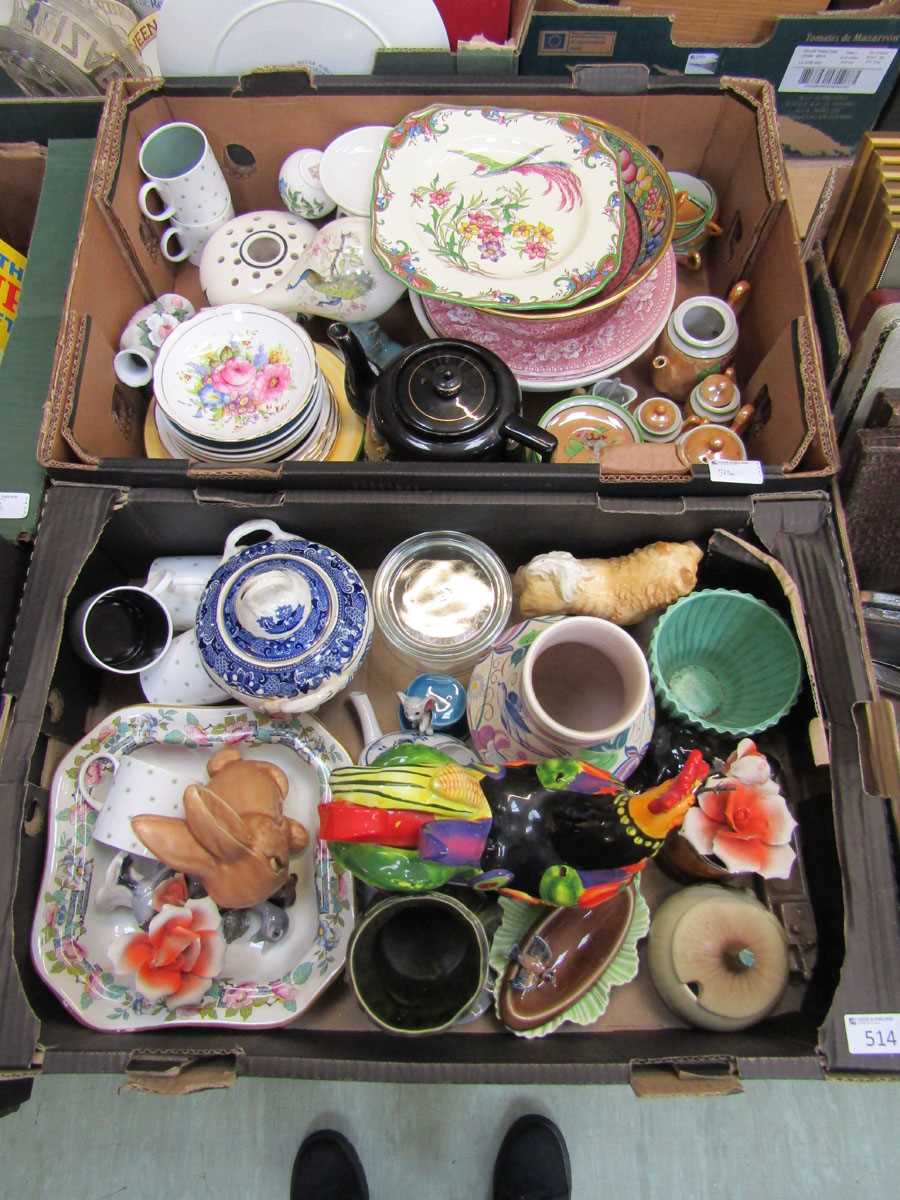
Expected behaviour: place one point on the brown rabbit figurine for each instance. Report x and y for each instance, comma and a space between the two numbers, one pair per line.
235, 837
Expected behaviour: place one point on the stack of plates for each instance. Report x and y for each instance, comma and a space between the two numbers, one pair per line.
239, 384
539, 223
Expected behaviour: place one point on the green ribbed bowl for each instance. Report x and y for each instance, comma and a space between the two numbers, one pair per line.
725, 661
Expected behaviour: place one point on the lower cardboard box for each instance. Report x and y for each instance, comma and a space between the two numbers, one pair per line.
838, 908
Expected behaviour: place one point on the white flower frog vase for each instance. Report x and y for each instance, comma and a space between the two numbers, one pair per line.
562, 686
283, 624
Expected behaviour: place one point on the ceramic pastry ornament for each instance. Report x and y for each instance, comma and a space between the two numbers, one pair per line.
145, 333
564, 966
300, 186
742, 818
624, 590
718, 957
559, 832
234, 837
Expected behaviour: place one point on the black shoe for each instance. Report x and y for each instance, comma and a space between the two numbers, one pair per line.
327, 1168
533, 1162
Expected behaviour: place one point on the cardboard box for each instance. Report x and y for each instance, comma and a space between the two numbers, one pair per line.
723, 130
91, 536
41, 191
833, 72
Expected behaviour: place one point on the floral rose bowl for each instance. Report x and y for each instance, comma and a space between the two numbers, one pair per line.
177, 958
742, 818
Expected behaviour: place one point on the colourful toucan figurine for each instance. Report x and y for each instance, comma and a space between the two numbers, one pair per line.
558, 831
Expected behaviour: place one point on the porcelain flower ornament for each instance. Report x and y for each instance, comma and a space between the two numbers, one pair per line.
742, 818
177, 958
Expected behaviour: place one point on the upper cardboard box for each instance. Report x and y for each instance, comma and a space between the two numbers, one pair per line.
725, 131
833, 72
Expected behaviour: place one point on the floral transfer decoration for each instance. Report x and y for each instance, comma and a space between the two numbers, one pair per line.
240, 382
301, 205
99, 996
742, 818
530, 219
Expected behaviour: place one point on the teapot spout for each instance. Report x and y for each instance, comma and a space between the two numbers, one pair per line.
359, 378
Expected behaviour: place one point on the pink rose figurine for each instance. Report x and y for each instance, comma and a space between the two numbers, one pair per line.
742, 818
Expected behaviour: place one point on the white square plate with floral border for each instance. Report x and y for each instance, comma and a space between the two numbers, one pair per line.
70, 936
496, 206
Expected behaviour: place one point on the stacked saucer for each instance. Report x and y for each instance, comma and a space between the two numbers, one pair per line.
240, 385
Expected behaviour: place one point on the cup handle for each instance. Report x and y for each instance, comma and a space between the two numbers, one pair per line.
178, 257
167, 212
159, 585
263, 525
83, 789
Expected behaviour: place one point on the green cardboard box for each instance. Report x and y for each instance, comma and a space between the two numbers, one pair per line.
833, 72
67, 128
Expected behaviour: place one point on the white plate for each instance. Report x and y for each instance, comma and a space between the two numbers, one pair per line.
500, 207
261, 984
234, 374
229, 37
348, 167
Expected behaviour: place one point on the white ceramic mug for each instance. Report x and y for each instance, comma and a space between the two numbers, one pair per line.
137, 787
180, 676
181, 241
178, 580
124, 629
182, 172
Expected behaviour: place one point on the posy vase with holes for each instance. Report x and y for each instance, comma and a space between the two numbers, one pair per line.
699, 339
556, 686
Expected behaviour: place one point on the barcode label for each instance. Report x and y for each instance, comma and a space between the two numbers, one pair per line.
838, 77
837, 70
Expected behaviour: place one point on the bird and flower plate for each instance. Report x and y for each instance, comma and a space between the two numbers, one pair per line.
258, 983
499, 207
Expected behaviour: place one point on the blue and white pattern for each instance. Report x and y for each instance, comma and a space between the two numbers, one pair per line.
289, 647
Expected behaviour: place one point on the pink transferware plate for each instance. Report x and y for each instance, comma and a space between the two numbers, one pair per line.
550, 358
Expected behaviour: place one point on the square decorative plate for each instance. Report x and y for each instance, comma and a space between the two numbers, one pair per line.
499, 206
70, 936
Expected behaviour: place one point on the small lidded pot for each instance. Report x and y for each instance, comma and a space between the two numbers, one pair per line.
659, 419
716, 398
284, 624
300, 188
710, 443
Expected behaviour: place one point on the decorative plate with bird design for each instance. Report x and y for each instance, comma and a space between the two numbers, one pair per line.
499, 207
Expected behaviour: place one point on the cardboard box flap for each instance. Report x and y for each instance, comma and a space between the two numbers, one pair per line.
171, 1075
870, 975
695, 1079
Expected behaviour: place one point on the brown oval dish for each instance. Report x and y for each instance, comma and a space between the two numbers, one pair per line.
561, 958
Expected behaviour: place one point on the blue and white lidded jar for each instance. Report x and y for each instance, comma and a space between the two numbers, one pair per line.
283, 625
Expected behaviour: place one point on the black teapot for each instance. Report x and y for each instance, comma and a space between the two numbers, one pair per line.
448, 400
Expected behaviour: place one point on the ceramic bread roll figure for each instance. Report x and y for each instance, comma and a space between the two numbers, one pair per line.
624, 590
558, 832
235, 837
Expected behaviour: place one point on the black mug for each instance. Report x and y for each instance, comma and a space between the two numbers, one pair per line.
418, 964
